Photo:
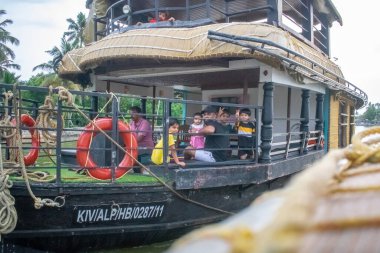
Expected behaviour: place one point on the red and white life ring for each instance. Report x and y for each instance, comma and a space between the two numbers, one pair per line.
83, 148
28, 121
314, 142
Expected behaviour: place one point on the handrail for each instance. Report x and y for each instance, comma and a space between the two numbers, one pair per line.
115, 113
113, 5
310, 72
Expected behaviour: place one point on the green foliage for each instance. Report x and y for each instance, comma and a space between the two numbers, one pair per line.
8, 77
70, 40
372, 113
6, 53
75, 33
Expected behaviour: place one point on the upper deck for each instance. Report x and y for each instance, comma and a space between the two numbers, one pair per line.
308, 20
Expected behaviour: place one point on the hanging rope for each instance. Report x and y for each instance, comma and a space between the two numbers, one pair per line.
8, 213
66, 96
45, 121
59, 201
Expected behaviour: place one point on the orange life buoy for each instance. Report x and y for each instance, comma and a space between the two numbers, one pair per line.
28, 121
83, 148
314, 142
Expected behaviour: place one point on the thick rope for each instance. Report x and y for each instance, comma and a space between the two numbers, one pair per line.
8, 132
38, 202
361, 151
65, 95
8, 213
46, 112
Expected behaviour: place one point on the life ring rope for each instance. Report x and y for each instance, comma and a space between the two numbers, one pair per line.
84, 159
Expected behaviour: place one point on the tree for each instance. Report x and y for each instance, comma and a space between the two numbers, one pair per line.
57, 55
47, 66
371, 113
6, 53
6, 64
75, 33
8, 77
70, 40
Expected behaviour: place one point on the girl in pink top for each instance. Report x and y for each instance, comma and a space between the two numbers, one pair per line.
197, 141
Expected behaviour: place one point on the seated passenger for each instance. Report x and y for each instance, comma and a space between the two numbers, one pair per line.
216, 143
246, 133
197, 141
142, 130
224, 119
162, 16
158, 152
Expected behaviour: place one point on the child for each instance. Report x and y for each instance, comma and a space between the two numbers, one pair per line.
224, 119
162, 16
158, 152
197, 141
246, 131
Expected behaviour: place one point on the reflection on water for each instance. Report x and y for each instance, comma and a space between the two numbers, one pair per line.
360, 128
152, 248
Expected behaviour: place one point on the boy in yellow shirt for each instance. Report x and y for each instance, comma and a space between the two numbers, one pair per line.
158, 151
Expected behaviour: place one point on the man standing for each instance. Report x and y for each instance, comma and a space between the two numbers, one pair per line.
216, 143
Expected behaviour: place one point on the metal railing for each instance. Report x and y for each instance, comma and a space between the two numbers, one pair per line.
53, 157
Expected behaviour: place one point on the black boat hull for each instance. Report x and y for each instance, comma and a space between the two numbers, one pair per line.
100, 216
141, 215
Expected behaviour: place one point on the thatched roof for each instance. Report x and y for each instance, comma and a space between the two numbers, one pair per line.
183, 44
155, 47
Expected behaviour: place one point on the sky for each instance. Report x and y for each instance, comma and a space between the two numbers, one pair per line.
39, 25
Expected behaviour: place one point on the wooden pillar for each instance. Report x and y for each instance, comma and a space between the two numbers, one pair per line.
319, 113
267, 127
109, 106
153, 108
319, 116
94, 107
143, 107
245, 91
305, 114
275, 15
307, 23
289, 113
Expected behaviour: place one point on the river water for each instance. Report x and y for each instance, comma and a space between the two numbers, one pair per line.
360, 128
152, 248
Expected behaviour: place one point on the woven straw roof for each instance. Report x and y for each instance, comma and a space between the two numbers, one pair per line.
184, 45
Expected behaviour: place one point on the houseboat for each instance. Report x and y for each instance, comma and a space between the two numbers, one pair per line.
270, 57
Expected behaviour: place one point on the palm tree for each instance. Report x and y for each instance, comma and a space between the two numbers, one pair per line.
47, 66
6, 54
75, 33
8, 77
57, 55
6, 64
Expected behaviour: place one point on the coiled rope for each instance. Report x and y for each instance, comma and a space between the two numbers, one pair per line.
44, 120
59, 201
8, 213
293, 223
361, 151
